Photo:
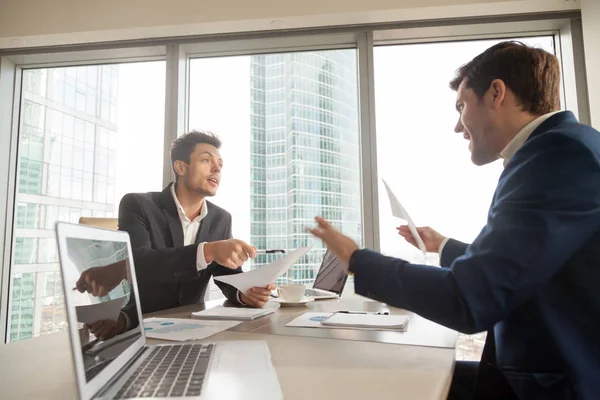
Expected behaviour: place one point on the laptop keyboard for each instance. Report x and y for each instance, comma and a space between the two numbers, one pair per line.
312, 293
169, 371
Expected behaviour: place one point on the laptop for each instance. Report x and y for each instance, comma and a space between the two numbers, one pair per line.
125, 366
330, 280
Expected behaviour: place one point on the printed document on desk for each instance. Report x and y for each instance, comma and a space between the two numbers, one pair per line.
236, 313
261, 277
398, 211
179, 329
371, 321
316, 319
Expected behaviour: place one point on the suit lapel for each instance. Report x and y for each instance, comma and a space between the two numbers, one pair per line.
202, 235
170, 211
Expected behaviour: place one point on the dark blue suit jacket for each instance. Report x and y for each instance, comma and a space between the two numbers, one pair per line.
533, 273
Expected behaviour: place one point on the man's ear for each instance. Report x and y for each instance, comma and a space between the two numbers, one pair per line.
180, 168
497, 92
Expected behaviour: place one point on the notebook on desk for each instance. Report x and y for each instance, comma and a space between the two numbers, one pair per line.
235, 313
370, 321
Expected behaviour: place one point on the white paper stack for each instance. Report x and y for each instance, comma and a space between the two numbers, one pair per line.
364, 322
235, 313
367, 321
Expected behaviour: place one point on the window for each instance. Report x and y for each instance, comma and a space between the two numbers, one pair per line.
249, 102
73, 164
427, 165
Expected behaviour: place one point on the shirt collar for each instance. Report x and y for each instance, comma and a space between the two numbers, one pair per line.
521, 137
181, 211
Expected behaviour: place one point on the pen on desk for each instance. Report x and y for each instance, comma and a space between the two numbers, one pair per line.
270, 251
365, 312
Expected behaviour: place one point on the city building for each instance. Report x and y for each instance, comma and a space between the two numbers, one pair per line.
67, 154
304, 152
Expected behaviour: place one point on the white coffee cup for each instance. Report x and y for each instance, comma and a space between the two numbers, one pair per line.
291, 292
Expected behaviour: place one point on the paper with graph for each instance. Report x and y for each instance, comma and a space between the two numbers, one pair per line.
399, 212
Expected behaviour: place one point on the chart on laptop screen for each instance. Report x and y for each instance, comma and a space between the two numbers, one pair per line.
98, 313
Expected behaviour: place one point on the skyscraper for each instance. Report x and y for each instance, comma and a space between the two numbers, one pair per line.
67, 154
304, 152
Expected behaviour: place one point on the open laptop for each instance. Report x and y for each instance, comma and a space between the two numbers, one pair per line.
330, 280
125, 366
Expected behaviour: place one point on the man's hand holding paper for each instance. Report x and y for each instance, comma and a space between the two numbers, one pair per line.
430, 237
264, 276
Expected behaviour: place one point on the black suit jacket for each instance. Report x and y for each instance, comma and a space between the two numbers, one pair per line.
166, 269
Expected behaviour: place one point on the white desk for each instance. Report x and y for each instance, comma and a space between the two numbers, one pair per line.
307, 367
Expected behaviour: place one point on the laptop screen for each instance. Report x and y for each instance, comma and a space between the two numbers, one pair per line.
96, 304
332, 274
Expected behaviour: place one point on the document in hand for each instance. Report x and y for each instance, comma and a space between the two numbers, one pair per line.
261, 277
399, 212
106, 310
372, 321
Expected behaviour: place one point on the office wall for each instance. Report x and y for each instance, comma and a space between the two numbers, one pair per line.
26, 23
590, 11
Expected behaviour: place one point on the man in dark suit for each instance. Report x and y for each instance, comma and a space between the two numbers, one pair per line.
179, 239
532, 276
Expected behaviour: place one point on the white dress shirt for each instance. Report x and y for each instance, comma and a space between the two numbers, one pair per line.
190, 232
190, 229
512, 147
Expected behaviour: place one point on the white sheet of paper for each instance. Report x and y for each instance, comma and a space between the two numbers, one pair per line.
88, 314
399, 212
236, 313
179, 329
262, 276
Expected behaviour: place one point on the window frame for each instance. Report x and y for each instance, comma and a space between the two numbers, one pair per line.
177, 53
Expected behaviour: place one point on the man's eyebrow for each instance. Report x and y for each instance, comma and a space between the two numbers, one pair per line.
212, 155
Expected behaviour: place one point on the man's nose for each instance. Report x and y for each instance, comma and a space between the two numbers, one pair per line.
459, 127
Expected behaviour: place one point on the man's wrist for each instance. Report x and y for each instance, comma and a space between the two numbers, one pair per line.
240, 298
208, 254
441, 245
350, 263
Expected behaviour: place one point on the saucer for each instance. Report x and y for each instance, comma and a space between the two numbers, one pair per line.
295, 303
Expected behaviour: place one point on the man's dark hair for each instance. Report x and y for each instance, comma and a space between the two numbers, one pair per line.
532, 74
183, 147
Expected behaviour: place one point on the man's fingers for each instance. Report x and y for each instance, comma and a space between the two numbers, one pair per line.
258, 291
249, 250
237, 260
317, 232
243, 256
230, 264
102, 291
80, 285
101, 332
270, 287
322, 223
95, 326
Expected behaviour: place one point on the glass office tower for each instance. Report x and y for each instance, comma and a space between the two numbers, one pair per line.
304, 152
67, 152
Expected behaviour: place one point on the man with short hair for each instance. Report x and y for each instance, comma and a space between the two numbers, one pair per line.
179, 239
532, 276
